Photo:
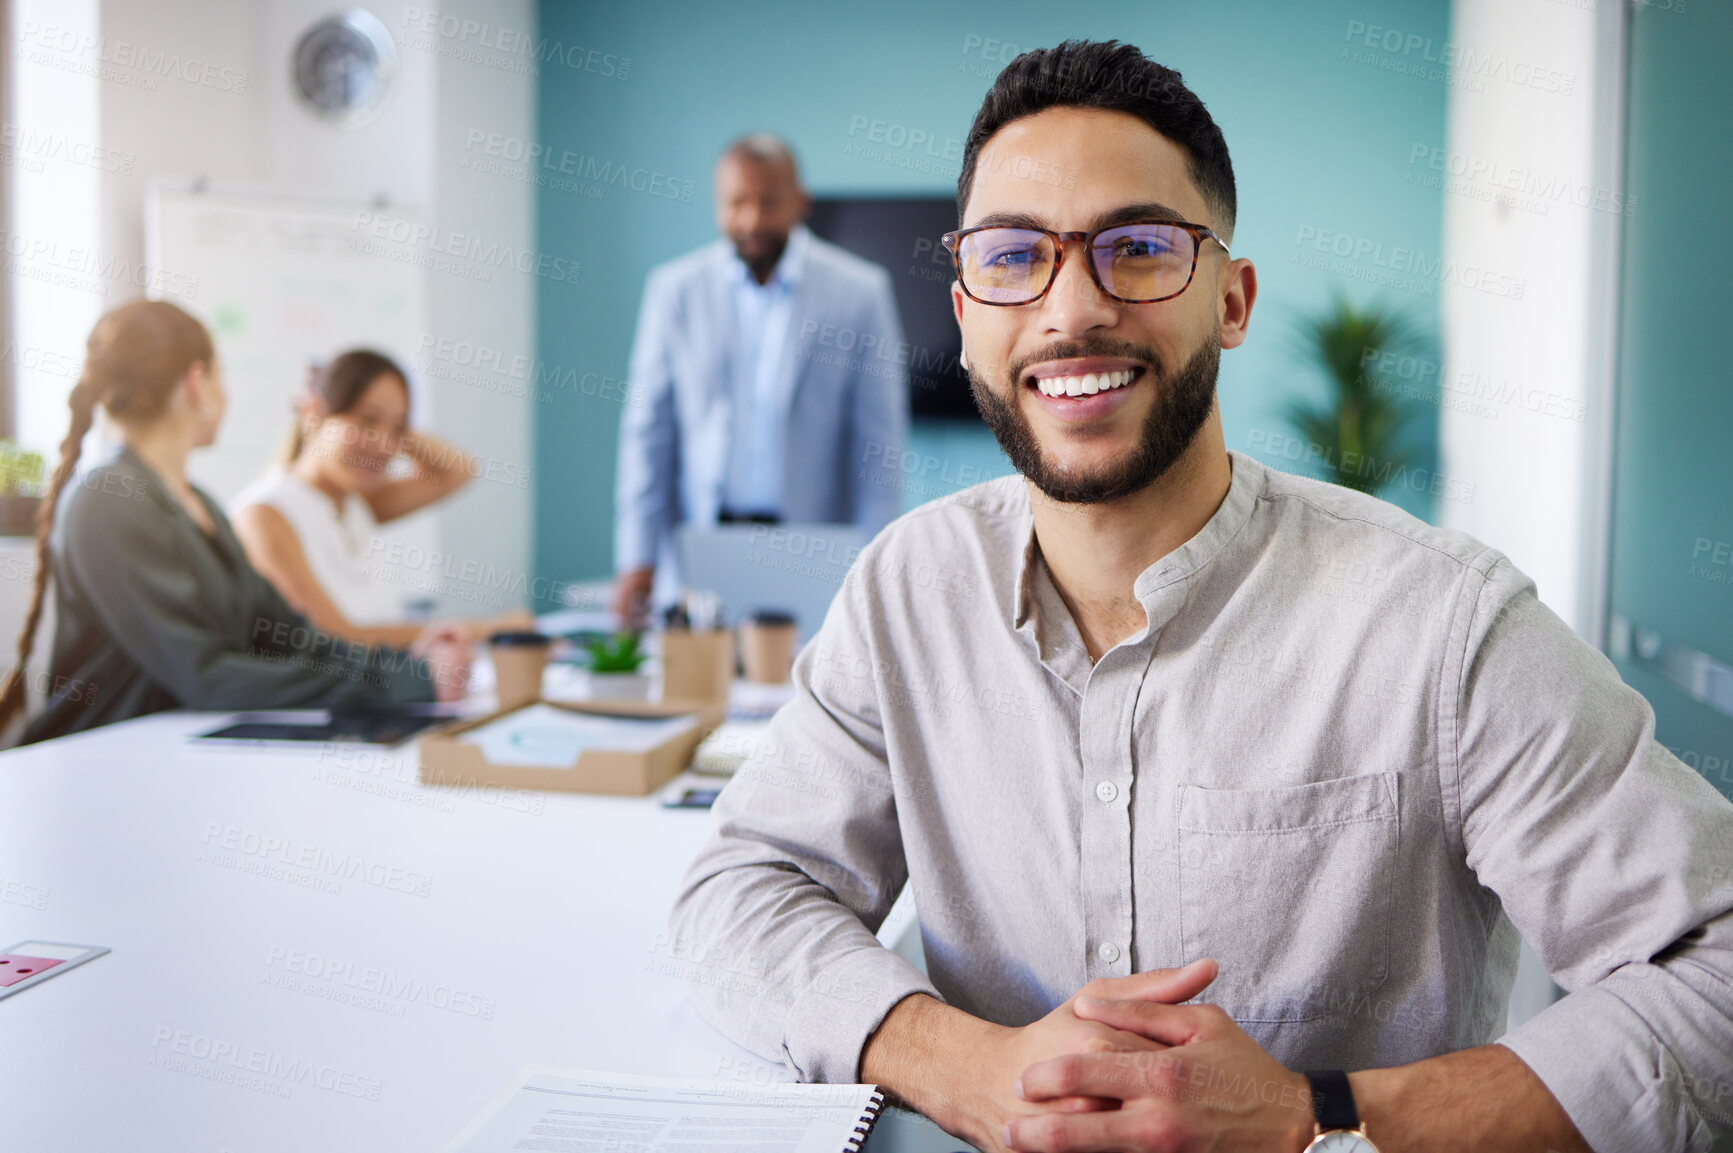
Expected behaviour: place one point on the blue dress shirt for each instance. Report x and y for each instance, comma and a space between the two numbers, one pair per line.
762, 314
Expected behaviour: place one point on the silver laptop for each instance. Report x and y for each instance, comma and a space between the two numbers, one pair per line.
796, 568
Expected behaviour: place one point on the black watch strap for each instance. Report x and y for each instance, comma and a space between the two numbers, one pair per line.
1333, 1100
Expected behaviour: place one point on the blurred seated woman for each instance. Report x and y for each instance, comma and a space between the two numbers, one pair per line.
310, 524
156, 606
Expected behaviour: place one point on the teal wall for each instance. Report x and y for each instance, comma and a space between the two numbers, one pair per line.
1673, 507
1321, 134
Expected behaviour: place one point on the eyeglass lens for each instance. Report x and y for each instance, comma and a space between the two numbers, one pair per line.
1137, 262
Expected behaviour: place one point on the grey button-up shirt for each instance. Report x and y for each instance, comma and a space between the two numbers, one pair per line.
1351, 757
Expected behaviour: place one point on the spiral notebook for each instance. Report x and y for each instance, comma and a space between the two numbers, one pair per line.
559, 1109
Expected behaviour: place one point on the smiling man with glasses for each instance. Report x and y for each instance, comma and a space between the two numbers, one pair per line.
1151, 722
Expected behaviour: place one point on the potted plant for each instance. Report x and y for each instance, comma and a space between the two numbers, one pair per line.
20, 489
614, 665
1358, 430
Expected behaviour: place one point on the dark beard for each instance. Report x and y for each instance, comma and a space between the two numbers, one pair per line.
761, 267
1182, 404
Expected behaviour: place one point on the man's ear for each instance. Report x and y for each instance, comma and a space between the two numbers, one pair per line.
1239, 291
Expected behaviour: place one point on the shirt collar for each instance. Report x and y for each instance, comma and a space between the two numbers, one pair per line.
789, 267
1161, 588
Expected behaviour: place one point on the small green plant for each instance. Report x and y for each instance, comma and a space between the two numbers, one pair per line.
1358, 431
616, 654
20, 471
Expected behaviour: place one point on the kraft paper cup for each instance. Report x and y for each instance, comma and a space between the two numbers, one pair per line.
519, 659
767, 646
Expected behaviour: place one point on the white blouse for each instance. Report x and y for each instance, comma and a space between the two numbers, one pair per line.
335, 545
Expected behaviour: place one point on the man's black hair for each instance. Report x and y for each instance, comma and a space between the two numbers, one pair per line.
1117, 77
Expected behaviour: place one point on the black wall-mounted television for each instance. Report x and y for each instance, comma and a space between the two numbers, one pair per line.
902, 234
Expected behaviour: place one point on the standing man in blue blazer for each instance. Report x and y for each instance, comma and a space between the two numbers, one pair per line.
768, 377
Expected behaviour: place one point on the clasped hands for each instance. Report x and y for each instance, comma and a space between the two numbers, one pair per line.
445, 646
1123, 1066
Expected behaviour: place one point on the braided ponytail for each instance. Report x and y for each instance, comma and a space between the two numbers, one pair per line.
83, 405
136, 356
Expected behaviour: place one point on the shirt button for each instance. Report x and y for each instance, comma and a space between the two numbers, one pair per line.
1108, 952
1106, 790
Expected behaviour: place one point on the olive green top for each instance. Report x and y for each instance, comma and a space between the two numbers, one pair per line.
153, 613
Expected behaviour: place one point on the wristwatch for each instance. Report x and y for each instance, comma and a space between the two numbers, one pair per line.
1336, 1120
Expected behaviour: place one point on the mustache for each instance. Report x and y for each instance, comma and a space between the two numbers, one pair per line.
1078, 349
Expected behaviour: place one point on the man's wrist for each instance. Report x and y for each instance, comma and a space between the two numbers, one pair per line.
1376, 1093
917, 1051
1305, 1128
1374, 1090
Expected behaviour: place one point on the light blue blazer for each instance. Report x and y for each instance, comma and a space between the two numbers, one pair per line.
843, 385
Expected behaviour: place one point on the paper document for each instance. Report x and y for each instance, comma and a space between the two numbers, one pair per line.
749, 701
547, 737
575, 1109
725, 750
567, 621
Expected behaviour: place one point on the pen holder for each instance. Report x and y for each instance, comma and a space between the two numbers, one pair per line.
697, 666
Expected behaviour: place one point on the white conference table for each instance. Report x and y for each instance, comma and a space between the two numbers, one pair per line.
247, 1007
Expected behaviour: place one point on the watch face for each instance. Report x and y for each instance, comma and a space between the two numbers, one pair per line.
1342, 1141
343, 66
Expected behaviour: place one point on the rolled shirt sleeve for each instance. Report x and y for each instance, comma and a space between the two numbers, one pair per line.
779, 910
1614, 860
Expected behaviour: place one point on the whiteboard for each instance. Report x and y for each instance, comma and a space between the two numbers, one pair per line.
281, 282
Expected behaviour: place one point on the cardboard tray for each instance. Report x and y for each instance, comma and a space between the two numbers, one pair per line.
445, 759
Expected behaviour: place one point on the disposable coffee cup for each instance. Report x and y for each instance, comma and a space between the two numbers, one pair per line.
767, 646
697, 666
519, 659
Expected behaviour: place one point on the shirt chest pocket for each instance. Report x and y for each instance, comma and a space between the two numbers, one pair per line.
1290, 890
